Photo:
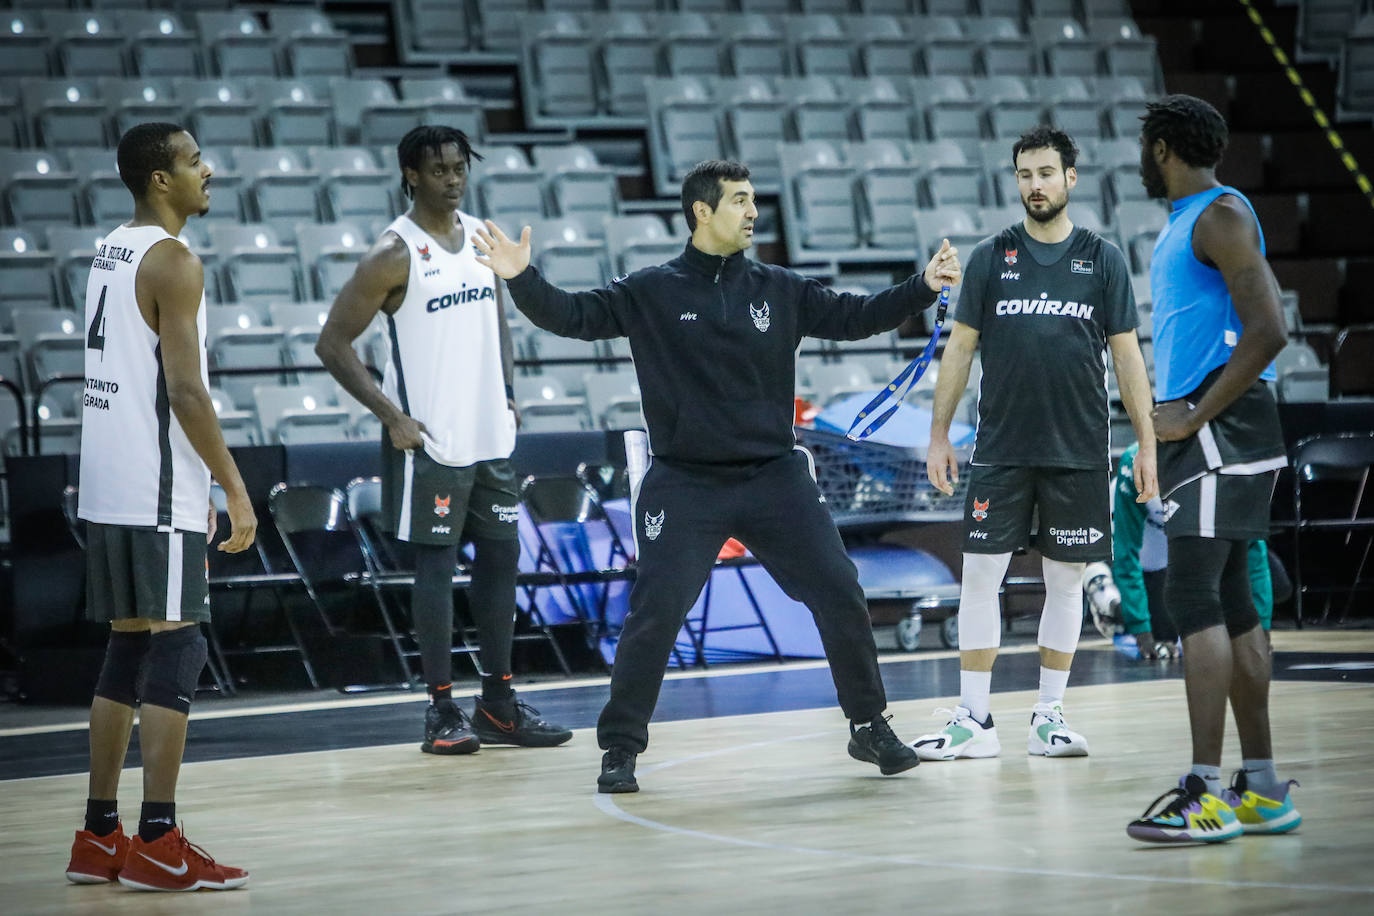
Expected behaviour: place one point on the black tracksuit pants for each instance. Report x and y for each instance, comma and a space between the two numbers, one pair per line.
682, 517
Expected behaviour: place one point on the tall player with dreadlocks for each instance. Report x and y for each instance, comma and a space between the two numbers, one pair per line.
1218, 326
447, 406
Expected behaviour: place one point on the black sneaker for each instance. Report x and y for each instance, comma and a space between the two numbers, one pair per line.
512, 722
876, 743
447, 731
617, 771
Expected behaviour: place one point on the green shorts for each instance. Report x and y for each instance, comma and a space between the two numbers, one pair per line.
425, 502
143, 572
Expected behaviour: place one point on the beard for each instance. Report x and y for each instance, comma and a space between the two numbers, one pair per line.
1052, 211
1153, 179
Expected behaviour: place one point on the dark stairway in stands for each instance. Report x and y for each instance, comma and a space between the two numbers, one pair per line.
1319, 227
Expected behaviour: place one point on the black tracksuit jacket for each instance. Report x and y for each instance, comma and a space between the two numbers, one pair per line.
715, 341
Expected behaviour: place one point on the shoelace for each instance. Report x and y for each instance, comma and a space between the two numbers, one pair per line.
882, 732
950, 716
1182, 799
193, 849
618, 757
1054, 715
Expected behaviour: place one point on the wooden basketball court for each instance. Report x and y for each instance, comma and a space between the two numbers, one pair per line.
753, 813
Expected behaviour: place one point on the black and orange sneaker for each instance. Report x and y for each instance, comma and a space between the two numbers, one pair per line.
447, 731
510, 721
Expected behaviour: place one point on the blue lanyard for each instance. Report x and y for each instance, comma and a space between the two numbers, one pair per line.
901, 385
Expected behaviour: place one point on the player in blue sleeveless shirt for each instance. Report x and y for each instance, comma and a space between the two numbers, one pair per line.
1218, 326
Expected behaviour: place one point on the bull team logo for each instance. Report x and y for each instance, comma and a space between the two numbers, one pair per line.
980, 509
760, 316
424, 252
1010, 256
441, 505
653, 524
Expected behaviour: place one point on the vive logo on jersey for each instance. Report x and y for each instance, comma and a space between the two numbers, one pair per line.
1075, 537
653, 524
1045, 306
441, 504
1081, 267
464, 295
441, 529
1011, 275
507, 514
1010, 256
687, 316
980, 509
760, 316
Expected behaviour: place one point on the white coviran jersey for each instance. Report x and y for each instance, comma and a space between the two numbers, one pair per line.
137, 466
444, 367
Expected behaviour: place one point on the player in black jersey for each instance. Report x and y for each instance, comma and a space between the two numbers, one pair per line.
1043, 300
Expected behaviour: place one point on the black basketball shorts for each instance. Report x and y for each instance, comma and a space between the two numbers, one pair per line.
1072, 506
425, 502
143, 572
1231, 507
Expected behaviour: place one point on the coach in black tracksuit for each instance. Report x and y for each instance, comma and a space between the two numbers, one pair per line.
714, 338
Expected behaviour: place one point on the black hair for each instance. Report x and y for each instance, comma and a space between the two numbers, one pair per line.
1043, 137
430, 137
143, 150
1193, 130
702, 183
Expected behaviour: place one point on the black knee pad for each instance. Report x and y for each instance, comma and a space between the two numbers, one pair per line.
1241, 621
175, 660
119, 672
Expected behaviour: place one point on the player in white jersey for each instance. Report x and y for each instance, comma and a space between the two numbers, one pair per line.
149, 445
448, 408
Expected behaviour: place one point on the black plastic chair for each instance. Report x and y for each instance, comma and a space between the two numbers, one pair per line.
1338, 463
313, 524
245, 573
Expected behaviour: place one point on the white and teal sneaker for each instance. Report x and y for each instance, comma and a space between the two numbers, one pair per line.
1050, 737
962, 736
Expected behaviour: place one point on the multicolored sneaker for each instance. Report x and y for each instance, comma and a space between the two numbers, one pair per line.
1258, 813
1050, 737
1193, 816
962, 736
97, 859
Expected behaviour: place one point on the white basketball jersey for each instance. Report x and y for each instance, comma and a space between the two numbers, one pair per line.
137, 466
444, 367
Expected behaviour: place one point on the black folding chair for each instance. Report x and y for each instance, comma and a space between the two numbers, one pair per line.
313, 523
390, 566
245, 573
1336, 463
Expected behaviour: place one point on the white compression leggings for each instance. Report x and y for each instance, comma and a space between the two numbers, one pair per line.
980, 623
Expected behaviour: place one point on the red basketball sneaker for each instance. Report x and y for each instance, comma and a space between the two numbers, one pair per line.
172, 863
97, 859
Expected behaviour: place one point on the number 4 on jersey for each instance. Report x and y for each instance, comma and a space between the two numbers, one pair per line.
95, 336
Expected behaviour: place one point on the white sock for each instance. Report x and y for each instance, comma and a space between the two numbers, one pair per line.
1052, 684
975, 693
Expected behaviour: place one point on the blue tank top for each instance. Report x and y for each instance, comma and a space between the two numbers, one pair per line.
1195, 323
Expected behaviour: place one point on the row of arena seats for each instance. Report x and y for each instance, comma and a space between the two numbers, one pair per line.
876, 202
286, 185
1342, 32
304, 261
232, 111
283, 41
746, 118
492, 27
592, 68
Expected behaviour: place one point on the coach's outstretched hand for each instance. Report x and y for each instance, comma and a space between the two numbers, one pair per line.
506, 258
944, 269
